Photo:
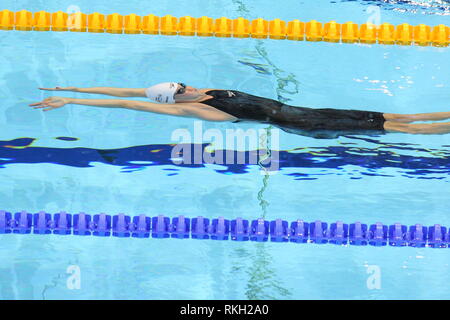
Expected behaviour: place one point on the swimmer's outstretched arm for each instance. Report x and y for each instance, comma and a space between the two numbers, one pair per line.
178, 109
169, 109
116, 92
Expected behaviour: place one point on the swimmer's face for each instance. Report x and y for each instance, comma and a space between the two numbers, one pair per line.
186, 93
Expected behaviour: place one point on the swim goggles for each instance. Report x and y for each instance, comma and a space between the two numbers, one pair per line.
182, 89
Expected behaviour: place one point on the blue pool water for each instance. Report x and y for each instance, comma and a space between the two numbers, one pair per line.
115, 162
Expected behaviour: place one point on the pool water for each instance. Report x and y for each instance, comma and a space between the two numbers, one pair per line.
95, 160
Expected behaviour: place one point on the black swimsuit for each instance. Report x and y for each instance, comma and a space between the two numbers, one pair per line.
316, 123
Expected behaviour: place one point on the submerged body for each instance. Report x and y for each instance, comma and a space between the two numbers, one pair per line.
317, 123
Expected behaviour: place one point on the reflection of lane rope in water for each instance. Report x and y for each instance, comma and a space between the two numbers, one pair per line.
261, 276
402, 158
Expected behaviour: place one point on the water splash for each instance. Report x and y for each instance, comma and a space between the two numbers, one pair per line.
426, 7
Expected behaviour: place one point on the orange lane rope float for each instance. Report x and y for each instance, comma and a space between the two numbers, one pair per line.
348, 32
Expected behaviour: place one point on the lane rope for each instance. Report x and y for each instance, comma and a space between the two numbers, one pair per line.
260, 230
348, 32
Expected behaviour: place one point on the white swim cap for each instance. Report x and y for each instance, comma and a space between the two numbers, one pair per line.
162, 92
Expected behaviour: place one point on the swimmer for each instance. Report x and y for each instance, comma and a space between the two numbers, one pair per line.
178, 99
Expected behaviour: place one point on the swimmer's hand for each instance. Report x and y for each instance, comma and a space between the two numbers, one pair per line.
60, 89
51, 103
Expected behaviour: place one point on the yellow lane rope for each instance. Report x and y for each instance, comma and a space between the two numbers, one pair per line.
348, 32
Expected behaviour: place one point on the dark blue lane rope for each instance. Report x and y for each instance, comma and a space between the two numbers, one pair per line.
238, 229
